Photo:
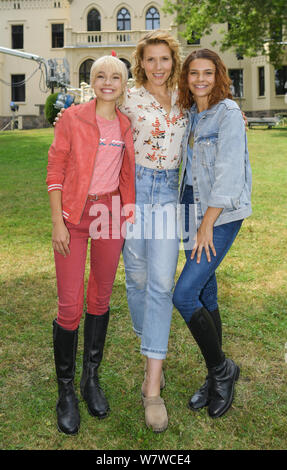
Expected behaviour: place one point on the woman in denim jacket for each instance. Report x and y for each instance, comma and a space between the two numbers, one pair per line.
215, 190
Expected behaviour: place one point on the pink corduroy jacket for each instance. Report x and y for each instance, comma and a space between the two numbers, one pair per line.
72, 156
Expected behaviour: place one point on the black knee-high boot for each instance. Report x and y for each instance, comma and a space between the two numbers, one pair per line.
95, 330
65, 349
222, 372
215, 315
200, 398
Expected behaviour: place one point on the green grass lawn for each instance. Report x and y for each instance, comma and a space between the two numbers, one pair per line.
253, 302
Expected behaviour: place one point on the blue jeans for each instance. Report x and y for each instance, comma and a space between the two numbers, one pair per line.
197, 285
150, 256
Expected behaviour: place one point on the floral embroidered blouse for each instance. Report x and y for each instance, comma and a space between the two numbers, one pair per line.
157, 135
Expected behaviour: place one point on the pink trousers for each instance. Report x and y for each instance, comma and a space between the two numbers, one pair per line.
106, 244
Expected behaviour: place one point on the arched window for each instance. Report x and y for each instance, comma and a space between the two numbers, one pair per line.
128, 66
123, 20
94, 20
84, 73
152, 19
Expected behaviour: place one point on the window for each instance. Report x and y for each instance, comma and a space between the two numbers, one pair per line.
57, 35
84, 74
123, 20
128, 66
281, 80
236, 75
193, 39
261, 81
152, 19
94, 20
18, 88
17, 36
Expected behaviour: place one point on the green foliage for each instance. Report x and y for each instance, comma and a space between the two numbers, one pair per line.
254, 27
50, 110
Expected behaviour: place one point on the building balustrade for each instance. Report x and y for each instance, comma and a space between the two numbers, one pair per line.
105, 38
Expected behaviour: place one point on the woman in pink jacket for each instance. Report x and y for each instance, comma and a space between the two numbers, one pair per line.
91, 174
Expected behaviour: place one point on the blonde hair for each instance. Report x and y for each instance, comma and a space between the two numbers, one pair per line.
115, 65
156, 37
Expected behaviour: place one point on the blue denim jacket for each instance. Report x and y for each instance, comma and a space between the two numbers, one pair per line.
221, 172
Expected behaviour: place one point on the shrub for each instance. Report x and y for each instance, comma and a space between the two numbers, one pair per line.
50, 110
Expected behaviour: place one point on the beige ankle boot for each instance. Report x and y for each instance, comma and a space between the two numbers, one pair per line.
155, 413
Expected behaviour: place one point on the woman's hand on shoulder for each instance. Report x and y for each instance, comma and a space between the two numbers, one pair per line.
60, 114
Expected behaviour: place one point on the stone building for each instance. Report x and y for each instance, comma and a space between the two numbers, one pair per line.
82, 30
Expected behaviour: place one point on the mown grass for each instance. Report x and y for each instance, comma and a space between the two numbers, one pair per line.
253, 304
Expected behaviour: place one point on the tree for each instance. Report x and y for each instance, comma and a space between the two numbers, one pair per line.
254, 26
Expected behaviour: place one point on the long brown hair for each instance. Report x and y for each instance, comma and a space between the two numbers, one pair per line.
157, 37
221, 89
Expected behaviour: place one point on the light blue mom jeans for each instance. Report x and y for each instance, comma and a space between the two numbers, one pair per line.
150, 256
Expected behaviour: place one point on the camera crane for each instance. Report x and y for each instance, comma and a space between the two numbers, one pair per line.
57, 71
57, 75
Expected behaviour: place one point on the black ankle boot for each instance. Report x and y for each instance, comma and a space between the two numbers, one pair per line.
94, 341
65, 349
222, 373
221, 388
200, 399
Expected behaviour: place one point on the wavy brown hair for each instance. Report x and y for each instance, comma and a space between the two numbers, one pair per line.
221, 89
157, 37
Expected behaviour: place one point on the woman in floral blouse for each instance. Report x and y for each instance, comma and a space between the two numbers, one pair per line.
151, 246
